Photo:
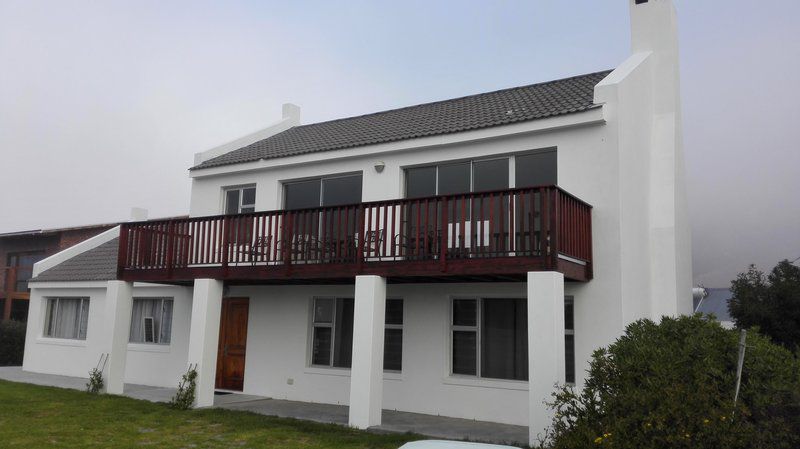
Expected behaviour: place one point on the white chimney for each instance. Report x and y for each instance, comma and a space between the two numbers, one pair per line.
654, 28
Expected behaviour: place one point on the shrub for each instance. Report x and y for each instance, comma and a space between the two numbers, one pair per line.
95, 384
12, 342
672, 385
184, 397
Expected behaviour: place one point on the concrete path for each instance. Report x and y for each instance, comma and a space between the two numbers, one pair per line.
393, 421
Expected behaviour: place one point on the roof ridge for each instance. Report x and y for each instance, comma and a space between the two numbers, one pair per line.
402, 108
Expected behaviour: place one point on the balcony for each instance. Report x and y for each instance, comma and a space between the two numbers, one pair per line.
487, 236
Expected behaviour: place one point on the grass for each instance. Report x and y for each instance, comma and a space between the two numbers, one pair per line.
34, 416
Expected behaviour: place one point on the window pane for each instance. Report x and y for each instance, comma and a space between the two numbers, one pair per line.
465, 312
338, 191
166, 322
84, 320
249, 195
323, 310
420, 182
490, 175
504, 339
67, 318
232, 201
569, 315
394, 311
454, 178
569, 344
302, 195
321, 350
393, 350
143, 309
50, 323
536, 169
343, 339
464, 353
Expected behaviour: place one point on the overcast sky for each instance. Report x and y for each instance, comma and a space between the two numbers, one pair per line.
103, 104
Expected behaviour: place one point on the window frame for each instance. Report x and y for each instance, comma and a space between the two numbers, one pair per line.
241, 205
332, 325
161, 299
321, 187
477, 329
568, 299
48, 312
471, 162
399, 327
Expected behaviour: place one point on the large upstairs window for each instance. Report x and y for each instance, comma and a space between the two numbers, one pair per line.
323, 191
536, 169
459, 177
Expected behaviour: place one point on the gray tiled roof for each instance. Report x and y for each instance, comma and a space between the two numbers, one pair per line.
97, 264
501, 107
716, 303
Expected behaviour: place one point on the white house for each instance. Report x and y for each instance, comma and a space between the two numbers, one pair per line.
456, 258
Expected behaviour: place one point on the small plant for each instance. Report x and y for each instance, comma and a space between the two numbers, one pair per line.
184, 397
95, 384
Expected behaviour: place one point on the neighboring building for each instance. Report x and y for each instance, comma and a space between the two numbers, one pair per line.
715, 302
426, 259
20, 250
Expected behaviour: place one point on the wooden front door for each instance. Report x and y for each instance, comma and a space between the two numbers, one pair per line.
232, 344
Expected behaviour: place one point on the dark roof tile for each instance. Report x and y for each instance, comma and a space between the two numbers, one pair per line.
97, 264
501, 107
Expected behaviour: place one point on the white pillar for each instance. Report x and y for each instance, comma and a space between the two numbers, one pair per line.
366, 375
204, 337
546, 362
119, 301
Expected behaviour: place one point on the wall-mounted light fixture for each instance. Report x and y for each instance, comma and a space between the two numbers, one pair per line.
379, 166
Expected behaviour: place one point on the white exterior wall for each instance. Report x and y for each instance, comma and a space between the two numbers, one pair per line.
146, 364
279, 345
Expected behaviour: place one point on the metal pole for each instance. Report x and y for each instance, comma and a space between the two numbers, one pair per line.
740, 365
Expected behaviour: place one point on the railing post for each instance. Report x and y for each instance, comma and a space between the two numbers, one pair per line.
288, 244
443, 239
170, 259
361, 237
122, 252
226, 237
554, 222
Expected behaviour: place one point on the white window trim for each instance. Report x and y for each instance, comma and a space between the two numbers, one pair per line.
63, 340
331, 370
321, 185
135, 345
241, 205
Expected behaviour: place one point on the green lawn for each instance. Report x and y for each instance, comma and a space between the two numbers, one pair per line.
34, 417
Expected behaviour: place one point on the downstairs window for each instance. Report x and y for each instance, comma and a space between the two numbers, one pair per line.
151, 320
332, 333
67, 318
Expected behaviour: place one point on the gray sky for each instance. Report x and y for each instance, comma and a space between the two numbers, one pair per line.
103, 104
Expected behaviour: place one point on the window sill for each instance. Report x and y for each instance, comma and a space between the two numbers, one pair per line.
345, 372
466, 381
61, 342
149, 347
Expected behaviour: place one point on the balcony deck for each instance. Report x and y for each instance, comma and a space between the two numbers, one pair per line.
487, 236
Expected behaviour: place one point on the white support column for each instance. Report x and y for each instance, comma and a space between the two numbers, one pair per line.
366, 375
119, 301
204, 337
546, 362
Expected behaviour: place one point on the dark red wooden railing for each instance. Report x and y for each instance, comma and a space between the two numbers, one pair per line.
544, 222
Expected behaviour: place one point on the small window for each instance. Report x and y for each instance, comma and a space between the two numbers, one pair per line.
240, 200
151, 321
67, 318
569, 339
332, 339
538, 169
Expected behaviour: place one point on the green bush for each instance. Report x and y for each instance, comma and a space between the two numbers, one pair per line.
672, 385
184, 397
12, 342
